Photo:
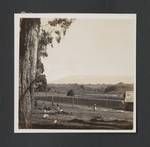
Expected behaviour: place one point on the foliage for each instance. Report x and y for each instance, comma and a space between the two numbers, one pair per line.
54, 31
70, 93
82, 87
41, 83
118, 88
40, 67
51, 33
110, 88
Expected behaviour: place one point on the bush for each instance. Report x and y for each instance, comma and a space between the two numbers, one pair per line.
70, 93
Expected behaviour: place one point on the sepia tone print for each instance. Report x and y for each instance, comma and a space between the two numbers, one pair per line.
75, 72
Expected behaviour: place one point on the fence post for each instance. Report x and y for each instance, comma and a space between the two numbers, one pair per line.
72, 101
52, 101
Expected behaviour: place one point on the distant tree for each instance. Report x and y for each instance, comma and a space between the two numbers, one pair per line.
82, 87
110, 88
70, 93
119, 88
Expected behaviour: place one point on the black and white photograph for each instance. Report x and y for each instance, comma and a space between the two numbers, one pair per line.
74, 73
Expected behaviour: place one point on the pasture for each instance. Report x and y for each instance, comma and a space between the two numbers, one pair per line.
80, 112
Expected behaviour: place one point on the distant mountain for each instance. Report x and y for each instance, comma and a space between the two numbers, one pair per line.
88, 79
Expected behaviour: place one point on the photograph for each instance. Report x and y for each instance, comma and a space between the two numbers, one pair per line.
74, 72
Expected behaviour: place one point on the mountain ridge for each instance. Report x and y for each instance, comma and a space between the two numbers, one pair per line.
93, 79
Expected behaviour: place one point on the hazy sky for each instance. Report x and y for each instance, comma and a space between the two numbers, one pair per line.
93, 47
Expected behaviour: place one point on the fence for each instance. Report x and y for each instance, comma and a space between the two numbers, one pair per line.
116, 103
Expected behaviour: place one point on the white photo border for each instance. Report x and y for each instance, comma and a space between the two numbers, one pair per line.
17, 17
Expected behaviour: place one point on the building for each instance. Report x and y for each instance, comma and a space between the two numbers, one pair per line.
128, 101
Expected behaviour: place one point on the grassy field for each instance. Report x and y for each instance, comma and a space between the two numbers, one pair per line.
81, 117
78, 110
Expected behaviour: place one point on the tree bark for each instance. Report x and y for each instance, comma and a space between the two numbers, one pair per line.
28, 57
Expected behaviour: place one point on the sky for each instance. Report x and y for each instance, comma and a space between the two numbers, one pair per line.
93, 51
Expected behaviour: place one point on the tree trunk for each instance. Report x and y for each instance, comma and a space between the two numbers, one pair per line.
28, 57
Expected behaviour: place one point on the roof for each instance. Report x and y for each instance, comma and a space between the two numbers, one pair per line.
129, 95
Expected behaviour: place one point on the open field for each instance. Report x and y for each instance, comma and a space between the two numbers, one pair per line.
96, 106
80, 117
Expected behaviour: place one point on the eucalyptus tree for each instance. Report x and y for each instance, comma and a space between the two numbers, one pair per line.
34, 39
